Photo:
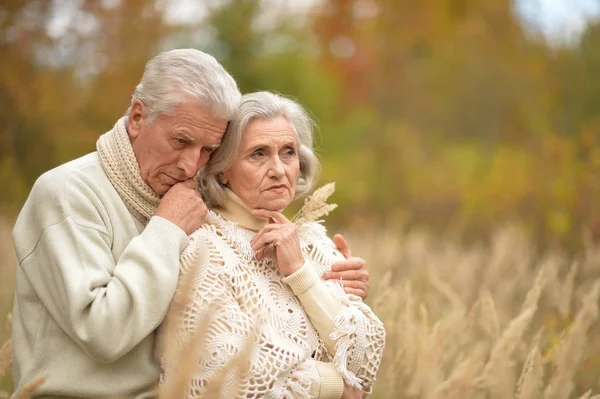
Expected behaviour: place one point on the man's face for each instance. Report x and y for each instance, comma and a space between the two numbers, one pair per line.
175, 146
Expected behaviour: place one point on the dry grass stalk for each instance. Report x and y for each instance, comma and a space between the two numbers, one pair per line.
6, 349
496, 376
316, 205
186, 360
566, 292
183, 356
534, 293
444, 288
460, 384
30, 388
489, 316
5, 357
573, 350
532, 378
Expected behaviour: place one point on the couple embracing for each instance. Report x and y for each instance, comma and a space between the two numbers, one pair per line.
188, 189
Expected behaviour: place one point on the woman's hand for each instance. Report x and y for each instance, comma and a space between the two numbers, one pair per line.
284, 236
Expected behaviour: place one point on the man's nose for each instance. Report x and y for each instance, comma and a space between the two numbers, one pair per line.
189, 162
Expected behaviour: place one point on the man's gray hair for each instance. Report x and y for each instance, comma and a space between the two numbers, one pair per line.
260, 105
173, 76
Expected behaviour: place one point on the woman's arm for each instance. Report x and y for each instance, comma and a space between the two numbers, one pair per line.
353, 334
268, 367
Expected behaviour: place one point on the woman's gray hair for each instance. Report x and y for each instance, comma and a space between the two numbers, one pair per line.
261, 105
173, 75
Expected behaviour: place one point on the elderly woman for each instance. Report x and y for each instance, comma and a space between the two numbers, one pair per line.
253, 276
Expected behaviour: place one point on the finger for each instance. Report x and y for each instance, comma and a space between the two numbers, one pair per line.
349, 264
190, 183
355, 291
342, 245
347, 275
260, 253
265, 240
358, 284
277, 217
263, 231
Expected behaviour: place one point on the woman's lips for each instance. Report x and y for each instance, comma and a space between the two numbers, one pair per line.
278, 189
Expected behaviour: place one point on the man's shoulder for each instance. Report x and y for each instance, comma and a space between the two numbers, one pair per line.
87, 165
81, 172
55, 191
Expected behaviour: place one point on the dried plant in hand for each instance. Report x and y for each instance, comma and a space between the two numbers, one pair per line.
316, 206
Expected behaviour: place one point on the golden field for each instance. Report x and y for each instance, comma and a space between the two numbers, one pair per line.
492, 320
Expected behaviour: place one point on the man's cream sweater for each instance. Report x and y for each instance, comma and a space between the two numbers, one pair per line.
92, 285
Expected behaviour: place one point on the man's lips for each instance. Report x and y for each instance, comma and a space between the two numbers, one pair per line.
172, 180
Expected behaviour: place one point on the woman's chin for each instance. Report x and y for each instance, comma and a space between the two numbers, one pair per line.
276, 206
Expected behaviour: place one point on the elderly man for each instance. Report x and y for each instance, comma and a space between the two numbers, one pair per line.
99, 238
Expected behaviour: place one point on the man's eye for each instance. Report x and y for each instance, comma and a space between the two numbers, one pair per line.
208, 150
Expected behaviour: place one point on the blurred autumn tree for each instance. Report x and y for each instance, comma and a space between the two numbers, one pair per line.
475, 121
444, 113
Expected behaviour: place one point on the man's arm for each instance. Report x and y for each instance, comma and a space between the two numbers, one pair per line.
352, 271
106, 307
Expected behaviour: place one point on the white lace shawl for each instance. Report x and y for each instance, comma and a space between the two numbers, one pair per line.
245, 299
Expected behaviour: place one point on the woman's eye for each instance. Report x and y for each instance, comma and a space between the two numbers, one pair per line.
257, 154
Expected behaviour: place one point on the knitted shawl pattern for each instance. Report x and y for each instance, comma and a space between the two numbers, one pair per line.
245, 300
120, 165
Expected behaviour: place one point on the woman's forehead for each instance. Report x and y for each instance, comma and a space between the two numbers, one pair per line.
275, 130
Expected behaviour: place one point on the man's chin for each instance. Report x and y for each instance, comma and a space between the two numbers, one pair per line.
160, 189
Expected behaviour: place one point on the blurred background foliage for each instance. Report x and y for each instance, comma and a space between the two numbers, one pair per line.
437, 114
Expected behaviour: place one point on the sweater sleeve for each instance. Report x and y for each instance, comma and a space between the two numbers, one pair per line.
107, 307
273, 367
350, 329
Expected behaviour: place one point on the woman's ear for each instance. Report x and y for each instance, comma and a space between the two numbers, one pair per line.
223, 178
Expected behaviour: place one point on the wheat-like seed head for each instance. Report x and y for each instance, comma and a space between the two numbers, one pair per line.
573, 350
316, 205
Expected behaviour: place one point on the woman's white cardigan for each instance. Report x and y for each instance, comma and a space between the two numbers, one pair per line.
299, 334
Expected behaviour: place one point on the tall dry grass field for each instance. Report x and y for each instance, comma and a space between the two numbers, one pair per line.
493, 320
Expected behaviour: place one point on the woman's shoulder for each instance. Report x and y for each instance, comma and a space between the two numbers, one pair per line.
209, 239
217, 236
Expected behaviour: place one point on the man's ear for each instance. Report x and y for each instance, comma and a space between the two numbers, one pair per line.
136, 118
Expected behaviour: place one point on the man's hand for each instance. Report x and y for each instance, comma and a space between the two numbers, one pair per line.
352, 271
183, 206
351, 393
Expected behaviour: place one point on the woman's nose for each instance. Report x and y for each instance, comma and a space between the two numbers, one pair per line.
276, 168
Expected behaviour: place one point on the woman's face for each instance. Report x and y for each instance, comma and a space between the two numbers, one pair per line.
265, 172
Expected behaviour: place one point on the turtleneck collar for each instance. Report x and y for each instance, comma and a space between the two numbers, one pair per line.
235, 210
